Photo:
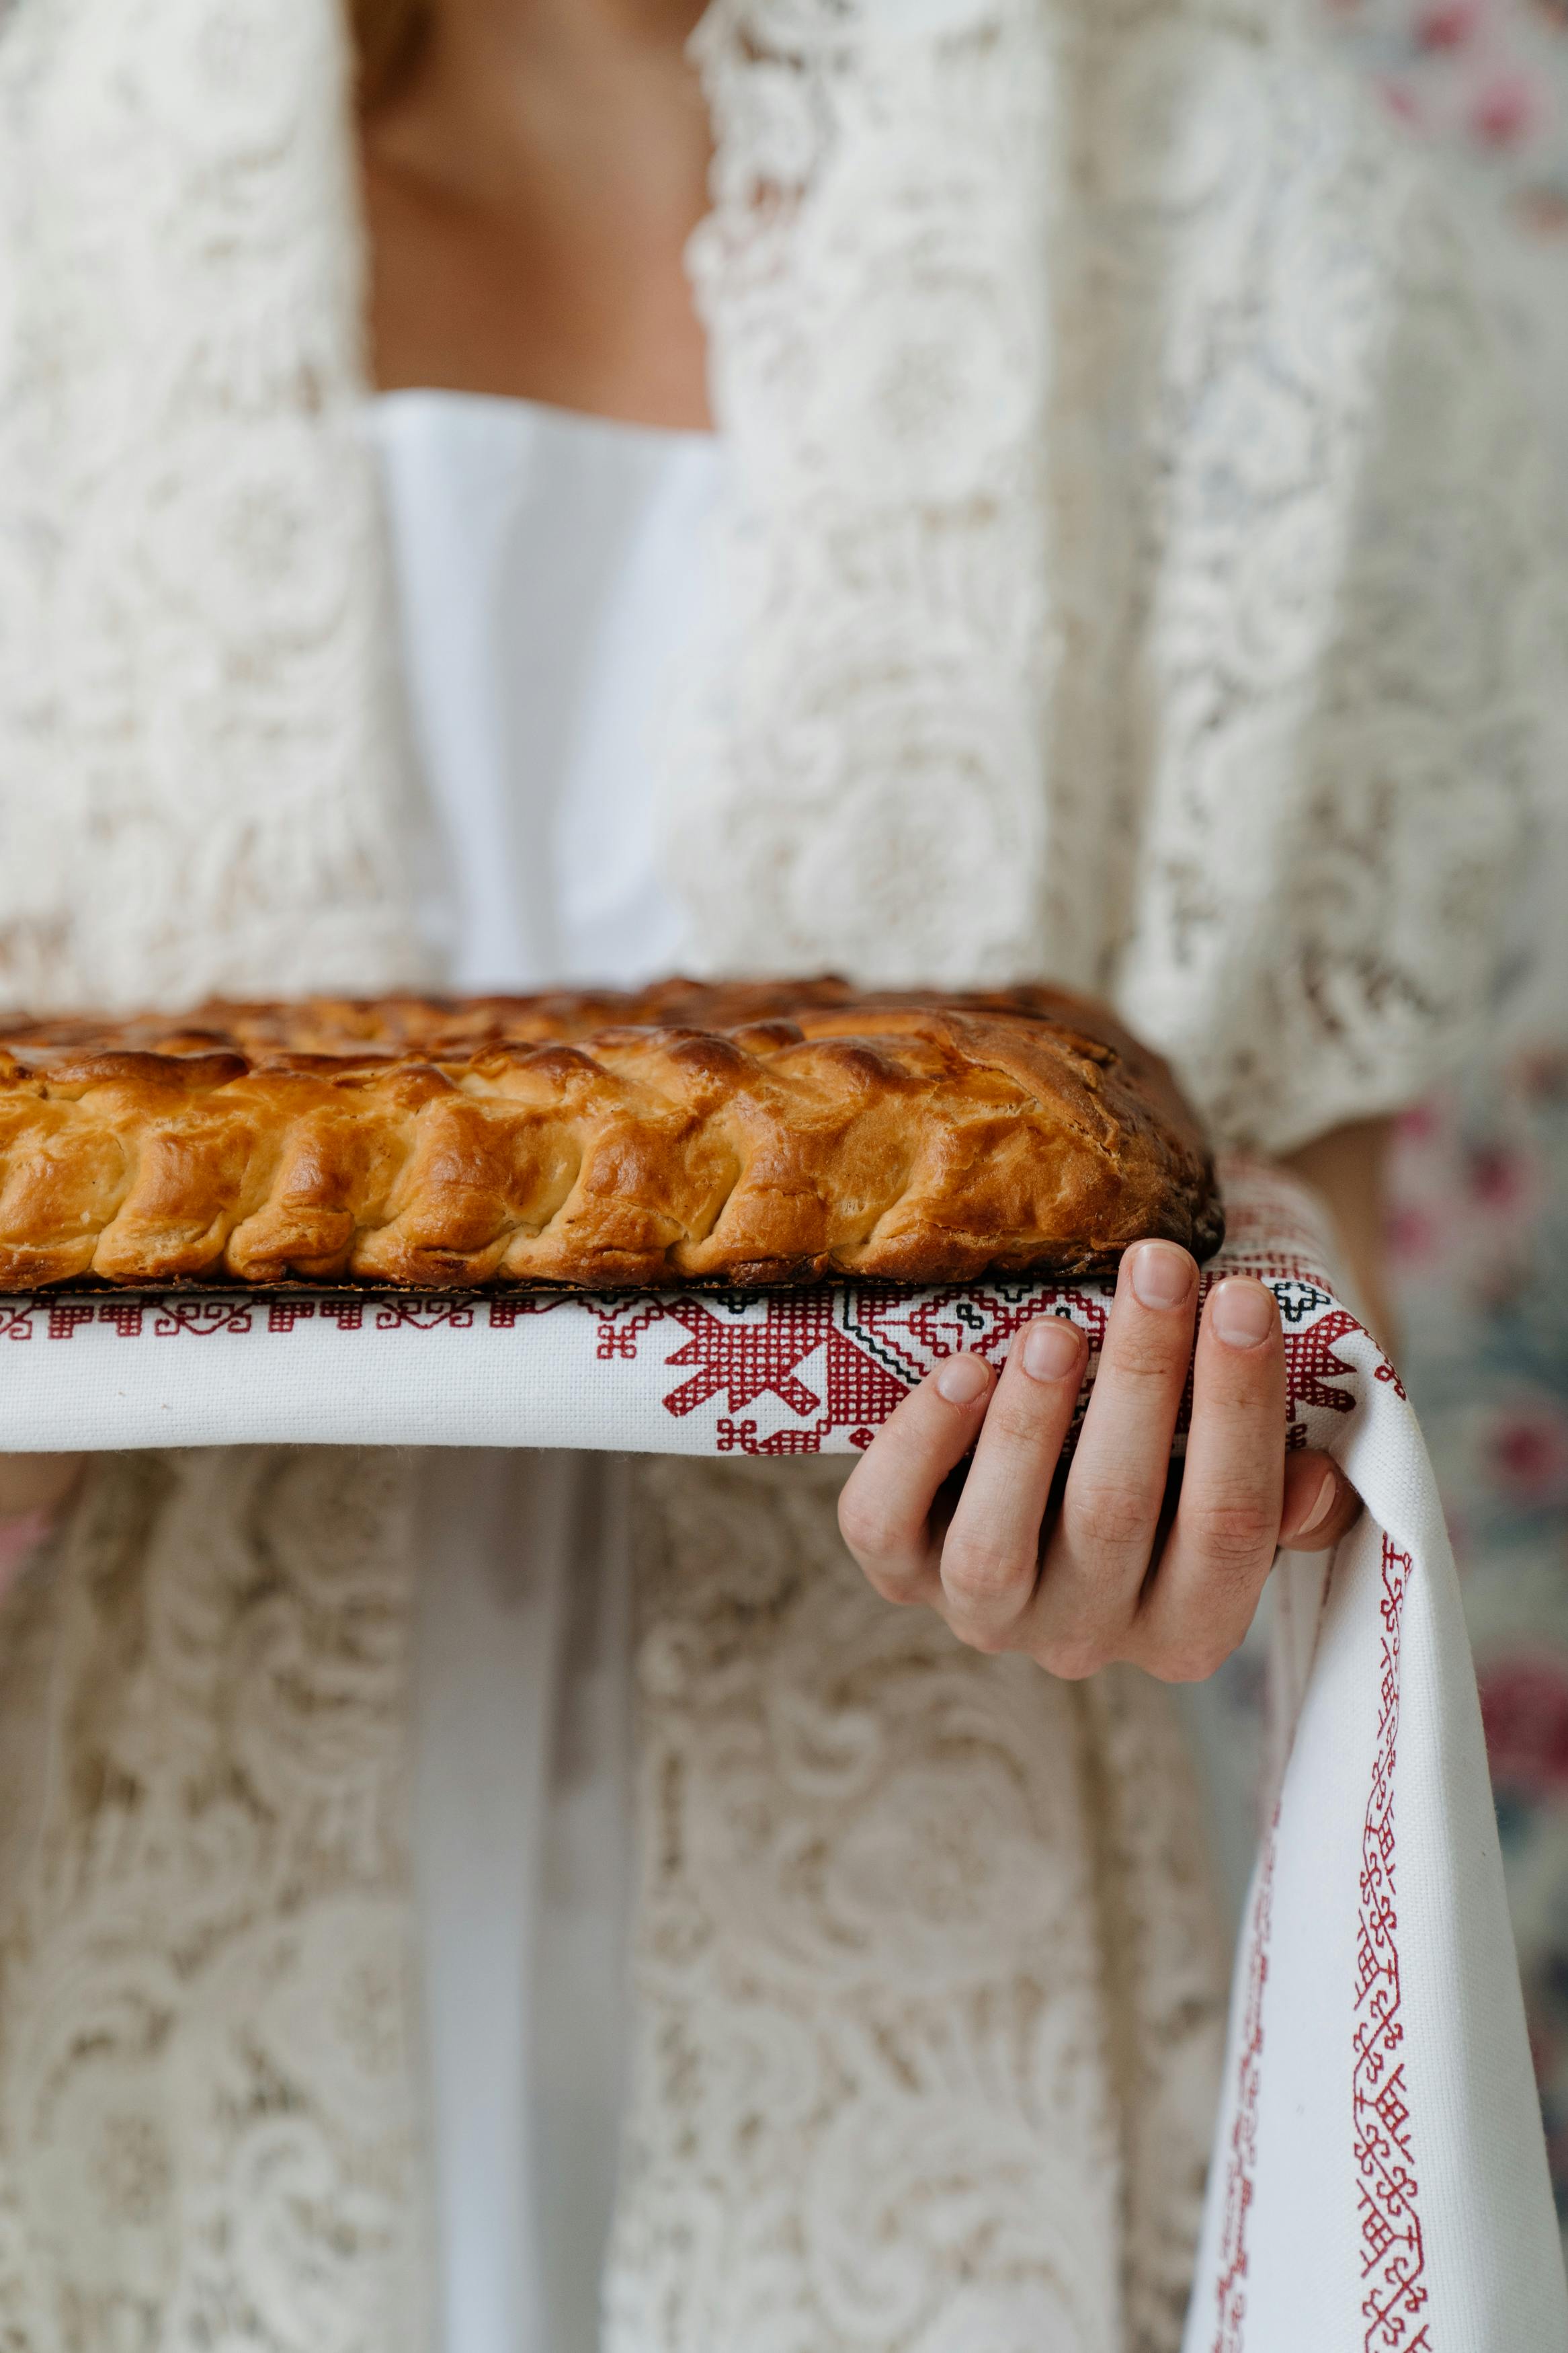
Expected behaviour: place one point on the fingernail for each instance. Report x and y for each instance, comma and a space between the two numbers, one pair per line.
1051, 1349
1322, 1506
1242, 1314
1162, 1274
962, 1378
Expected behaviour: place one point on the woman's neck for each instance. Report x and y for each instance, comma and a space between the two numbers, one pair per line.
530, 186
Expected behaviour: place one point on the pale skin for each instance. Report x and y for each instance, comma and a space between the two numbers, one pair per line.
530, 180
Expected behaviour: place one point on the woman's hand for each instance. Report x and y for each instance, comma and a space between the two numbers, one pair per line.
1130, 1564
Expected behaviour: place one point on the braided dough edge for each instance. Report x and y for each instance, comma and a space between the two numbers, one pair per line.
741, 1134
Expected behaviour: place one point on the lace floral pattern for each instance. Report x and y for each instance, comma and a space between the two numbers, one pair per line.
872, 774
1274, 801
203, 763
1132, 566
887, 2092
205, 2123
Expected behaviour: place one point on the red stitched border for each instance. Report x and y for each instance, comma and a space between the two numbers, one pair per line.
1241, 2157
1392, 2251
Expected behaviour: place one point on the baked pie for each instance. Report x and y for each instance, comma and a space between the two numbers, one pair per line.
734, 1134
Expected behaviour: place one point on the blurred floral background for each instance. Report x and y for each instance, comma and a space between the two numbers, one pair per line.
1481, 1193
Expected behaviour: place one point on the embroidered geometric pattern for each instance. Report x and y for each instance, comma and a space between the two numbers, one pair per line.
1241, 2158
1392, 2252
767, 1374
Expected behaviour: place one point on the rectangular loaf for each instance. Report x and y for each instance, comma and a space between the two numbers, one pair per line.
740, 1135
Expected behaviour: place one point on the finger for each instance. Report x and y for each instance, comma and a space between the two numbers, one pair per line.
1099, 1553
885, 1510
991, 1558
1201, 1600
1319, 1504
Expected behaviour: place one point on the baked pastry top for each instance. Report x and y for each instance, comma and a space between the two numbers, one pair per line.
740, 1133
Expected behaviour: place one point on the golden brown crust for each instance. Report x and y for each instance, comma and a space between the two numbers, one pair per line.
744, 1134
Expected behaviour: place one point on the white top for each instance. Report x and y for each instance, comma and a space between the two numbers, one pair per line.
550, 570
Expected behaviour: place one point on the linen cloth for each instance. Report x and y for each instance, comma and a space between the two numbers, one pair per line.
1378, 2176
715, 1373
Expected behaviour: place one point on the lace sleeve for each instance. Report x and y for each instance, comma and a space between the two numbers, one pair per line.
843, 783
1134, 557
201, 774
1354, 612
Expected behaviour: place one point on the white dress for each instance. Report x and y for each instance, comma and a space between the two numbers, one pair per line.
550, 570
840, 2011
869, 1998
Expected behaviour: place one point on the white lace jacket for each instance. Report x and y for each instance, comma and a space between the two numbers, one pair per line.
1133, 557
1133, 572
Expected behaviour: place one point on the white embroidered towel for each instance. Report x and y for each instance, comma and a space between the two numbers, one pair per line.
1379, 2182
715, 1373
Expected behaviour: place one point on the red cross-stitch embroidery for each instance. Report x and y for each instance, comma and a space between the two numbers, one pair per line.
348, 1314
1392, 2252
824, 1366
505, 1315
745, 1360
621, 1325
397, 1313
67, 1317
876, 1344
859, 1394
1310, 1358
201, 1317
734, 1353
1241, 2156
911, 1334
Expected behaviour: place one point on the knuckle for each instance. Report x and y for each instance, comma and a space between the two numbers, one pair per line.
1111, 1516
976, 1571
1236, 1534
867, 1526
1072, 1659
976, 1634
1193, 1660
894, 1589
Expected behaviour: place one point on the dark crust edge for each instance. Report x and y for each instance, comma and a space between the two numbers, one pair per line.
1064, 1010
1093, 1266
